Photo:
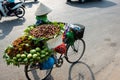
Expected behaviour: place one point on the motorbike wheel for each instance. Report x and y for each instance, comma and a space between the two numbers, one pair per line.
20, 12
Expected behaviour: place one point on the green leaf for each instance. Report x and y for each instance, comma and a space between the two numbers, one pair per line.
61, 26
5, 56
55, 23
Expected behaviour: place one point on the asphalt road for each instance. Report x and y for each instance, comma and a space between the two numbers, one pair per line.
101, 20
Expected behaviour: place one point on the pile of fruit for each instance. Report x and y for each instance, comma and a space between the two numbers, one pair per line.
45, 31
25, 50
32, 46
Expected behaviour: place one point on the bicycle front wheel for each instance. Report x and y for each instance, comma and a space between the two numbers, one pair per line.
34, 73
75, 51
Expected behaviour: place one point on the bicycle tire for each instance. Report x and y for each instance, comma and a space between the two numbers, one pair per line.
36, 73
80, 71
74, 55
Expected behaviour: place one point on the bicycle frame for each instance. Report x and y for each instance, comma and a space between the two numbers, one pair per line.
60, 59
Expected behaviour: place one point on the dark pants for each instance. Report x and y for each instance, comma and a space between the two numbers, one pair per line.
9, 7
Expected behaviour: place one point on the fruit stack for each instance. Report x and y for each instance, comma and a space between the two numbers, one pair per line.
32, 47
45, 31
24, 50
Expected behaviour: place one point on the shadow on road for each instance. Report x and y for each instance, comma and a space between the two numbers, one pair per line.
7, 26
78, 71
98, 4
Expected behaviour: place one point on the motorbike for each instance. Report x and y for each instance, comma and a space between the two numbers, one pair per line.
17, 10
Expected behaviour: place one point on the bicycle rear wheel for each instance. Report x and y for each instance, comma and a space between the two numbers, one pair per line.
34, 72
76, 51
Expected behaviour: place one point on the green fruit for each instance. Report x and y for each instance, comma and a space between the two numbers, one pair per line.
38, 58
31, 60
14, 63
18, 55
33, 51
30, 37
14, 58
23, 56
34, 56
43, 52
42, 56
19, 59
10, 46
38, 54
29, 56
28, 29
45, 46
27, 45
45, 49
8, 61
47, 53
25, 60
38, 49
31, 27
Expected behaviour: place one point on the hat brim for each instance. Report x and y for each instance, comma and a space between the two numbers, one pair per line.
42, 10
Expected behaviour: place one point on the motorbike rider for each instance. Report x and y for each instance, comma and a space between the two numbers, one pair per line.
9, 4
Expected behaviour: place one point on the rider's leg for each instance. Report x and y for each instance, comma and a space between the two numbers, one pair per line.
11, 5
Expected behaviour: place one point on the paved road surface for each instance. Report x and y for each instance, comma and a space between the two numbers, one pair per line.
102, 23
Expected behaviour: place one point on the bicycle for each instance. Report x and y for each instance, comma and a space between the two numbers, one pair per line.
71, 55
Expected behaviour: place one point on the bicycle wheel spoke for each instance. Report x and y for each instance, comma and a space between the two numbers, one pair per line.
32, 69
75, 49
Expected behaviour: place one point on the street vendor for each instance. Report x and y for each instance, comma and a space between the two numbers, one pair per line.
41, 14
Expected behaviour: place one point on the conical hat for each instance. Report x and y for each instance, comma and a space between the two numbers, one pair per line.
42, 10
